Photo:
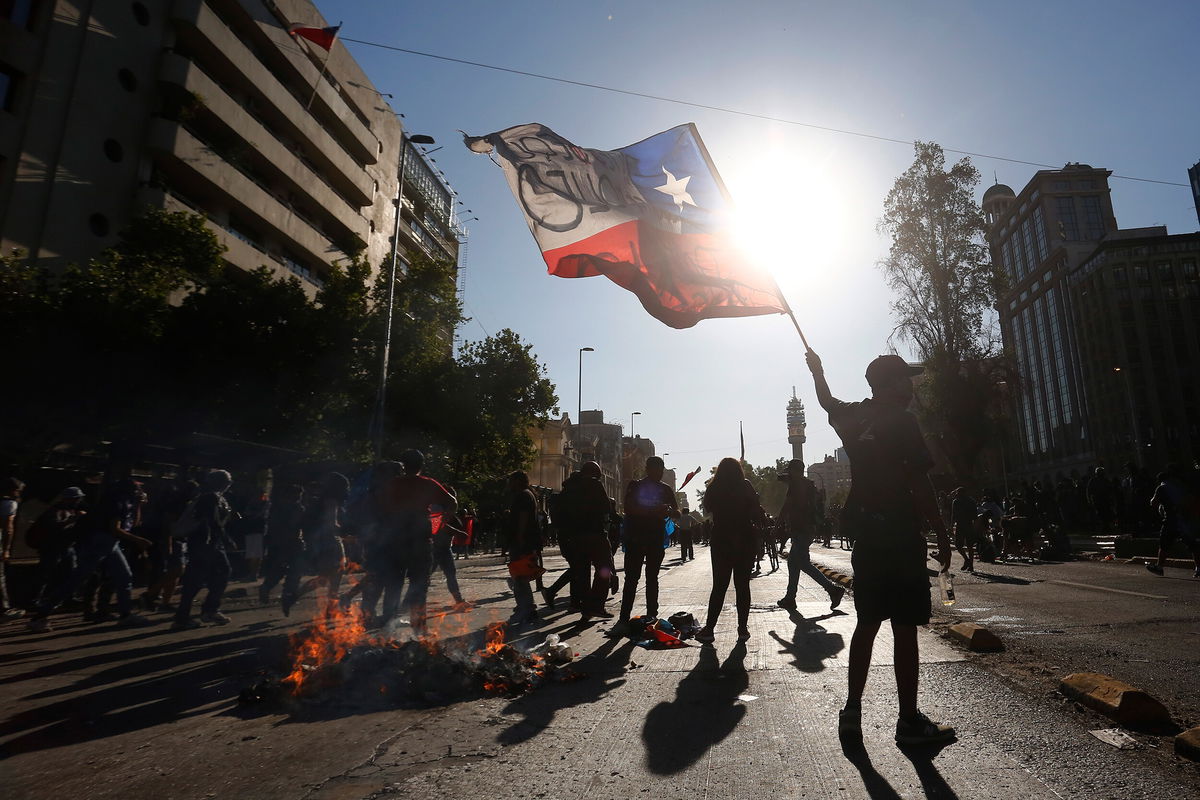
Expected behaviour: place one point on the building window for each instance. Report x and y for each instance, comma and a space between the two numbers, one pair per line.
1119, 276
128, 80
1061, 186
1141, 273
113, 150
1067, 223
1166, 273
1006, 256
1031, 257
1093, 217
1039, 229
98, 223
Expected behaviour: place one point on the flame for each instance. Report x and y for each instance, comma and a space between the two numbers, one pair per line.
330, 636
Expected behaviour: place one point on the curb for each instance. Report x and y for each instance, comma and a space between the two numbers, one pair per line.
838, 577
975, 637
1187, 744
1119, 701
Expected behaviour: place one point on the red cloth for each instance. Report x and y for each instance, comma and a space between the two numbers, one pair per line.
321, 37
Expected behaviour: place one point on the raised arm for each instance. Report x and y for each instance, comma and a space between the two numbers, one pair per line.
824, 396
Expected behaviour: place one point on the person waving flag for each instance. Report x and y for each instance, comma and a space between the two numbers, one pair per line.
652, 217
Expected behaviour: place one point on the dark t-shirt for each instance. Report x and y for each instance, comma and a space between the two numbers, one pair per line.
212, 513
800, 508
734, 508
519, 543
963, 510
647, 494
886, 449
122, 509
582, 507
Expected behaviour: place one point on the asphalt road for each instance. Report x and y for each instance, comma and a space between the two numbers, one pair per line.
97, 712
1087, 616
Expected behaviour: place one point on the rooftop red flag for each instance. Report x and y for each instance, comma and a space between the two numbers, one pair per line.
321, 37
651, 217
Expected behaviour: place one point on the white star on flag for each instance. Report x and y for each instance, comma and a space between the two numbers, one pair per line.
677, 189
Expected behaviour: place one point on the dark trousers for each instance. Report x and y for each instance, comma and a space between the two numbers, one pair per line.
443, 557
597, 558
283, 564
408, 559
55, 565
637, 553
207, 566
730, 559
578, 569
686, 550
98, 549
799, 562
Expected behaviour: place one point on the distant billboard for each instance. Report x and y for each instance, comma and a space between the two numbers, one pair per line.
1194, 176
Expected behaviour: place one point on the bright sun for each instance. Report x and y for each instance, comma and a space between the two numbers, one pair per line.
792, 215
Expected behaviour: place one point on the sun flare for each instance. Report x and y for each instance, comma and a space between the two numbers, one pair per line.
792, 215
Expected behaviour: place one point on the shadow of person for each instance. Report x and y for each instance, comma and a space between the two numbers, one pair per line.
932, 782
604, 668
705, 710
811, 644
876, 785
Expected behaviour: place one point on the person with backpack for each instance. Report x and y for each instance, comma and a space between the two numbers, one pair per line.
100, 546
162, 588
53, 536
648, 504
524, 544
202, 525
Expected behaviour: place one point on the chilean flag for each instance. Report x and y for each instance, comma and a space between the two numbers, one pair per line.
321, 37
651, 217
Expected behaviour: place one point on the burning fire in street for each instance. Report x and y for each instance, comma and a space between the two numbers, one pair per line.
335, 656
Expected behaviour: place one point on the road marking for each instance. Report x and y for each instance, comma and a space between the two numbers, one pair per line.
1107, 589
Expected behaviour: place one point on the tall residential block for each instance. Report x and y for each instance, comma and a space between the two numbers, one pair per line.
290, 152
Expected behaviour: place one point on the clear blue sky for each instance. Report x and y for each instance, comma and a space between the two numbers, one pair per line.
1104, 83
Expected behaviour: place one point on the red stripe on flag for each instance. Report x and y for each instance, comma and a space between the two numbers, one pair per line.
321, 37
680, 278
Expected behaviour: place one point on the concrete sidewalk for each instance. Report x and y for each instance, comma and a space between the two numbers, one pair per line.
103, 713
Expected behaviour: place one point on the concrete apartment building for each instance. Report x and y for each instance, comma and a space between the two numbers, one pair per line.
554, 458
832, 476
210, 106
1101, 324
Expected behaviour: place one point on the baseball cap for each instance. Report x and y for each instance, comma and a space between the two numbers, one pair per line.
890, 367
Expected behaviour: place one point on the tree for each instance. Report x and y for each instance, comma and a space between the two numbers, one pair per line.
945, 289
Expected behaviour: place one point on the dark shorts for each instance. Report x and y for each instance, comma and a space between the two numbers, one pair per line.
890, 577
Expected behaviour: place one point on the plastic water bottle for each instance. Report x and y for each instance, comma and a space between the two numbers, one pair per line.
946, 580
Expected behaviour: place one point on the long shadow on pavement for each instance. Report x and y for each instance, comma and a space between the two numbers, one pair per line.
197, 677
705, 711
811, 644
603, 669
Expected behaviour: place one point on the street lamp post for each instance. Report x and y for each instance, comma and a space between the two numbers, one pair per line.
631, 416
381, 398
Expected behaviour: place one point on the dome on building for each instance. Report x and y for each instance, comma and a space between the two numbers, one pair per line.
998, 191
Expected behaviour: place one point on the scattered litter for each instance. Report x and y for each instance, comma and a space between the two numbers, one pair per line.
554, 651
747, 698
1116, 737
